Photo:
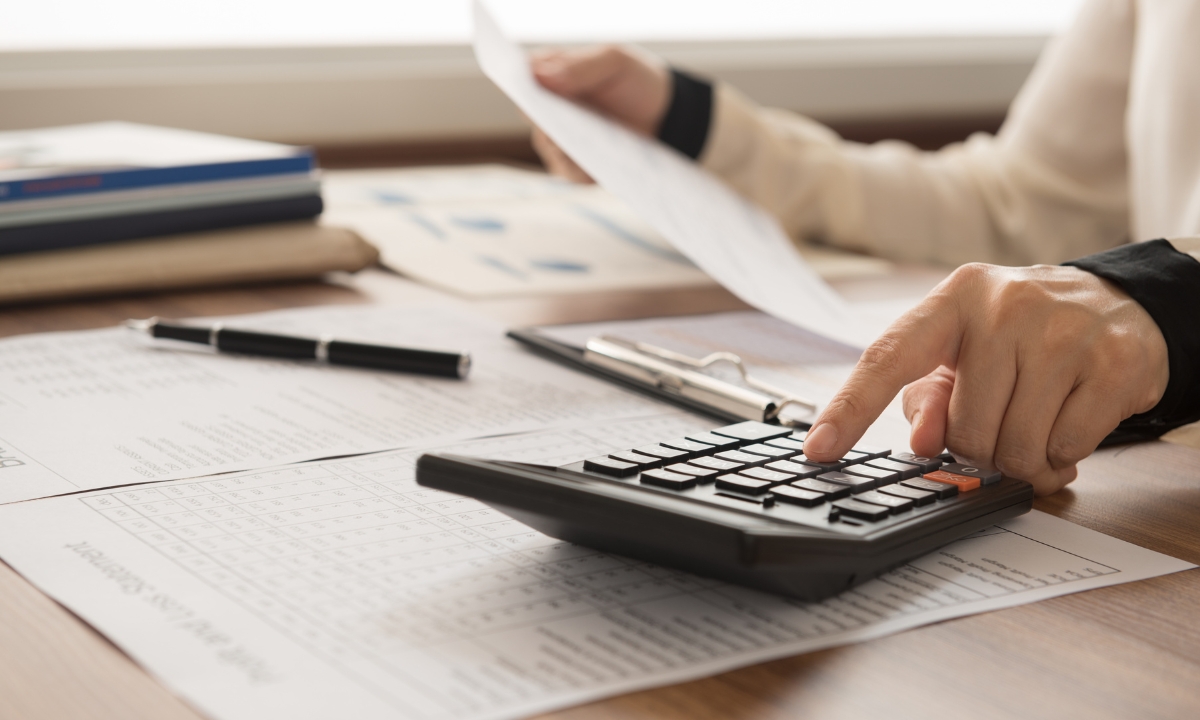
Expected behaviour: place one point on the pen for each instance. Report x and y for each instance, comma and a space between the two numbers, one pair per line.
324, 349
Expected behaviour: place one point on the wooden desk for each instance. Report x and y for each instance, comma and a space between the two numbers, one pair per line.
1120, 652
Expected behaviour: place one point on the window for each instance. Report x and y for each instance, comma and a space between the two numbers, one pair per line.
354, 70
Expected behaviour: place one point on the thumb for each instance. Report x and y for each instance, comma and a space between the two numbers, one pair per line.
576, 74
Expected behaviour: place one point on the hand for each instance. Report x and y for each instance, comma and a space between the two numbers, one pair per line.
1022, 369
626, 85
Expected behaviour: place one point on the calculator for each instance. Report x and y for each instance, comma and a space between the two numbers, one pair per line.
742, 503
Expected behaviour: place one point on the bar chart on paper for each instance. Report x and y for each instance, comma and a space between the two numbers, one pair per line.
493, 230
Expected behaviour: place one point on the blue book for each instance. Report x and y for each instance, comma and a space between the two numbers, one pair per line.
112, 156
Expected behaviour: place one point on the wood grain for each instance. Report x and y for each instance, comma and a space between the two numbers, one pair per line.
1128, 651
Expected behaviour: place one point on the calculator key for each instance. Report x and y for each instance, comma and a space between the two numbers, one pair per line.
941, 489
906, 471
920, 497
872, 451
854, 456
744, 458
796, 496
882, 477
833, 491
668, 479
610, 466
856, 483
753, 431
892, 502
799, 435
794, 468
713, 463
926, 464
662, 451
772, 476
702, 475
770, 451
964, 483
827, 466
738, 499
861, 510
690, 447
642, 461
715, 441
787, 443
986, 477
743, 484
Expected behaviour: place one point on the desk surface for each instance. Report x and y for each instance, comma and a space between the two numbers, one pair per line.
1126, 651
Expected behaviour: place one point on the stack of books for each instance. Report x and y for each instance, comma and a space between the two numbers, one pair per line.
106, 182
108, 208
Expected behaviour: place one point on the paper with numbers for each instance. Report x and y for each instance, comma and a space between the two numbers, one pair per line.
343, 589
100, 408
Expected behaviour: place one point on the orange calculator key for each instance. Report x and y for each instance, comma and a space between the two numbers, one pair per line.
963, 482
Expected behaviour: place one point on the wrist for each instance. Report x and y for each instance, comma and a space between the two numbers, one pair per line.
1166, 284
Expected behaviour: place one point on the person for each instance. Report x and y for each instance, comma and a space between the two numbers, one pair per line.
1022, 364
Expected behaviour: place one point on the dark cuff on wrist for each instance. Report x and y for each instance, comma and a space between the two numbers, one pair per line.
685, 126
1166, 283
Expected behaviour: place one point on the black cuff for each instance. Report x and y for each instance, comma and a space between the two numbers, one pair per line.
685, 126
1167, 283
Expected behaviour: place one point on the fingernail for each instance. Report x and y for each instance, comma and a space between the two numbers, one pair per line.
820, 440
916, 421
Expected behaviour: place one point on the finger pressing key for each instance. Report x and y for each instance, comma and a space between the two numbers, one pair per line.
923, 339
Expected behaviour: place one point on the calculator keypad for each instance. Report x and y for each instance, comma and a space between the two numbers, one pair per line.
755, 465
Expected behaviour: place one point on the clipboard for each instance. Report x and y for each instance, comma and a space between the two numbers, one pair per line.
675, 378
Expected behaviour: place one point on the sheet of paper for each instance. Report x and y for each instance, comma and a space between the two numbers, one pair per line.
491, 230
342, 589
778, 352
735, 242
541, 236
84, 410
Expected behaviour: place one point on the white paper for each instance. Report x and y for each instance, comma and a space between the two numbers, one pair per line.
85, 410
343, 589
735, 242
491, 230
775, 351
468, 233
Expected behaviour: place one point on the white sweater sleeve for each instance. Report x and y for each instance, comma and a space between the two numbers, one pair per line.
1050, 186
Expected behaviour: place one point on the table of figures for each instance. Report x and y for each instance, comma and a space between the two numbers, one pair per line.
445, 607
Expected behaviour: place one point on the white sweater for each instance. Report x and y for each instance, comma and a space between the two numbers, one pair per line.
1102, 146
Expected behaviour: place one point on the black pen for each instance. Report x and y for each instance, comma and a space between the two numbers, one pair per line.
324, 349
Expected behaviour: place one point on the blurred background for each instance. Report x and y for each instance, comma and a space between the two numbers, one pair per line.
393, 82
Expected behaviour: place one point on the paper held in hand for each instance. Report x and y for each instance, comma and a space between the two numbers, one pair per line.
735, 242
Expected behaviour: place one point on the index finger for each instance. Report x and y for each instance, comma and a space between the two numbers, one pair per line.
922, 340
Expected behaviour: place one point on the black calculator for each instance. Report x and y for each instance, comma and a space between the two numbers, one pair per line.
743, 504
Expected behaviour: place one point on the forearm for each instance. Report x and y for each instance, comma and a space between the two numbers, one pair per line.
1052, 185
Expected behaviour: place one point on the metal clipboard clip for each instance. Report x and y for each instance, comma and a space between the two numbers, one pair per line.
677, 373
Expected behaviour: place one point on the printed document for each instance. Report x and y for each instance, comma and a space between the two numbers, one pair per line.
85, 410
737, 243
491, 230
342, 589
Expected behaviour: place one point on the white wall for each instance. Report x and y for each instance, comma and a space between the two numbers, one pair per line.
363, 70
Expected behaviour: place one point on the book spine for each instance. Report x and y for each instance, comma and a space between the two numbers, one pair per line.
81, 183
34, 238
